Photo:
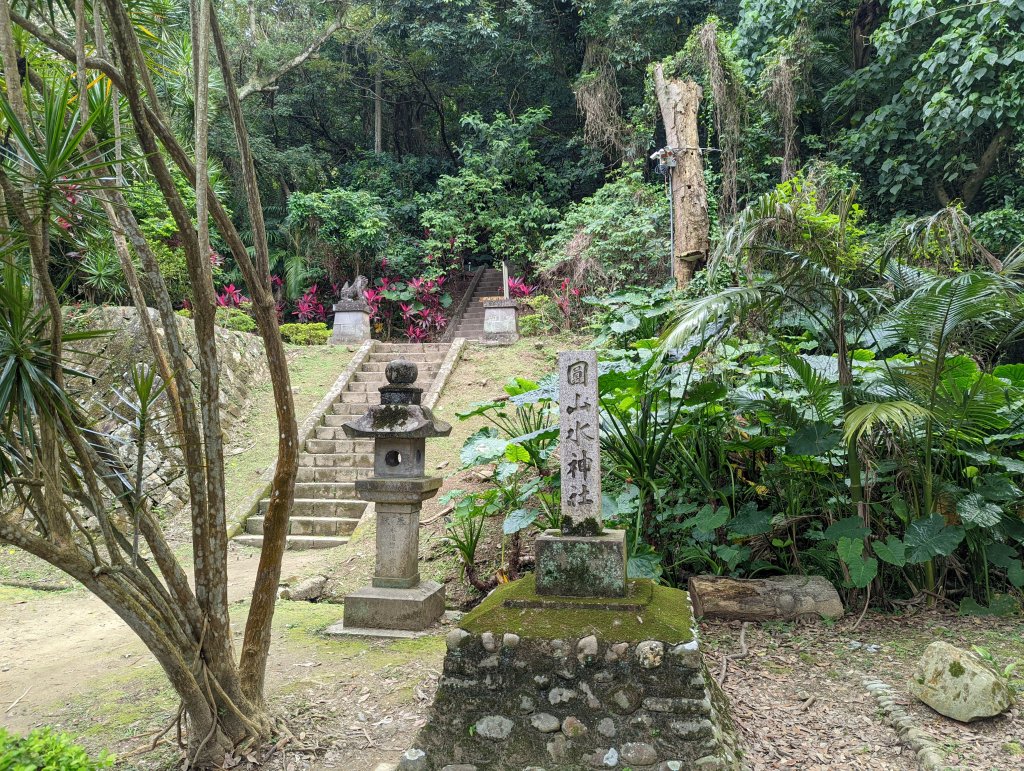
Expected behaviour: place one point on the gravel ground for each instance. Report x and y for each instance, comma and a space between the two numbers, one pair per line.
799, 701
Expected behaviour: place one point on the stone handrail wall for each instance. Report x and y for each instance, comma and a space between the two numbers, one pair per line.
453, 322
444, 372
248, 507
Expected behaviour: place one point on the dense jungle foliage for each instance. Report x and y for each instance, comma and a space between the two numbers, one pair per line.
838, 391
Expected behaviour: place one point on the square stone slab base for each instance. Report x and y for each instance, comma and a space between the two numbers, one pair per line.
409, 609
582, 565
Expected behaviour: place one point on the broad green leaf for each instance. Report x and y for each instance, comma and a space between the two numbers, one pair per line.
750, 521
814, 439
975, 510
1001, 605
520, 519
931, 537
628, 323
709, 518
485, 446
1012, 372
1004, 556
644, 563
862, 570
892, 550
850, 527
517, 453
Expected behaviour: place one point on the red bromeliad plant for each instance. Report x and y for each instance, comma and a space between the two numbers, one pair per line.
231, 297
518, 288
568, 300
309, 308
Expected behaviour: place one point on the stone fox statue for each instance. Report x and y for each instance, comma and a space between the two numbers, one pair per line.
353, 290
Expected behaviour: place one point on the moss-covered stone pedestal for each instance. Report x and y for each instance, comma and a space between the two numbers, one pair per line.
539, 682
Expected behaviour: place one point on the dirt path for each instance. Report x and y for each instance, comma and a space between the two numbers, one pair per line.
53, 645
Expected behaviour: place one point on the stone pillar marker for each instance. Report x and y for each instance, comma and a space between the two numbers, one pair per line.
397, 599
582, 559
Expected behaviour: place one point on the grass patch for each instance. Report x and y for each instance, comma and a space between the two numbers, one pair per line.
313, 370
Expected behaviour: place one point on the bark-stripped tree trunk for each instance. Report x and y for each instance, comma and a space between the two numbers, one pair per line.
679, 101
188, 631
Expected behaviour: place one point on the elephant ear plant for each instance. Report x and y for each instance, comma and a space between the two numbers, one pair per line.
514, 454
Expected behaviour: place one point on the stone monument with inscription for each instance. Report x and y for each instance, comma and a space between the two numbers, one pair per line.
582, 559
575, 667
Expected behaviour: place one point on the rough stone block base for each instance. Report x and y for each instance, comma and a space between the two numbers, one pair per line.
582, 566
501, 322
380, 608
351, 324
561, 684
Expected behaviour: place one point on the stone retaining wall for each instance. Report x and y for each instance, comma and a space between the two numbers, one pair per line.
109, 358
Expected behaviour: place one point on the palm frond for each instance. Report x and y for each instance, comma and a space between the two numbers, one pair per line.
898, 415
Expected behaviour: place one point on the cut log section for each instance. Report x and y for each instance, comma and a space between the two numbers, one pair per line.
779, 598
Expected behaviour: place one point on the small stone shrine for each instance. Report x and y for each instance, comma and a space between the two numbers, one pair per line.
351, 314
397, 599
575, 667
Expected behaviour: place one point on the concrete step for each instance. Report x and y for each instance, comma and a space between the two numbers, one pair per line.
321, 507
377, 368
332, 473
330, 433
336, 446
404, 348
344, 411
436, 357
335, 459
296, 542
336, 526
330, 491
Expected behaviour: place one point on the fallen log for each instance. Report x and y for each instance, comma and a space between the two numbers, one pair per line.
779, 598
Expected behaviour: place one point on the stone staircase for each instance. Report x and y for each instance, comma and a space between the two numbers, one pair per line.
471, 325
326, 508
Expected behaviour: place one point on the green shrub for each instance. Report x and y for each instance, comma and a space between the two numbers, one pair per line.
45, 750
533, 324
305, 334
235, 319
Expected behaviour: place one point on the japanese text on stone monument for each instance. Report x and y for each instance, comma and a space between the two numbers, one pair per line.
580, 442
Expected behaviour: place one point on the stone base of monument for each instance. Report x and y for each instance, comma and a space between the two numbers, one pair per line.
541, 682
374, 607
351, 322
501, 322
581, 565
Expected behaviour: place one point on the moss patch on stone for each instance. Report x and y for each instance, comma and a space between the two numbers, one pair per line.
665, 615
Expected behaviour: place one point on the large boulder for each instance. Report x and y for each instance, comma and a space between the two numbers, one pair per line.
958, 684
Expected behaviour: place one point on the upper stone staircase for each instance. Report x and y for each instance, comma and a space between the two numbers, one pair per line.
326, 508
471, 325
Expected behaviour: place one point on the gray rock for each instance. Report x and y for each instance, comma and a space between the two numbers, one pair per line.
650, 654
604, 758
586, 650
457, 638
638, 754
626, 699
490, 644
671, 765
606, 727
561, 695
413, 760
545, 722
460, 767
510, 640
542, 681
527, 704
604, 676
572, 727
494, 727
958, 684
558, 747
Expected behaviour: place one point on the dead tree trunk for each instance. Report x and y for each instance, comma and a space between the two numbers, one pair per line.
680, 102
778, 598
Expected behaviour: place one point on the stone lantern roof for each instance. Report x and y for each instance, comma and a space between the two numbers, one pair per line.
400, 414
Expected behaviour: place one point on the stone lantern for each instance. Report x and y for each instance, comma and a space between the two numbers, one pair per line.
399, 425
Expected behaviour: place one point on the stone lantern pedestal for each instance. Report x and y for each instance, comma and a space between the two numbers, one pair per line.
351, 322
501, 322
397, 599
